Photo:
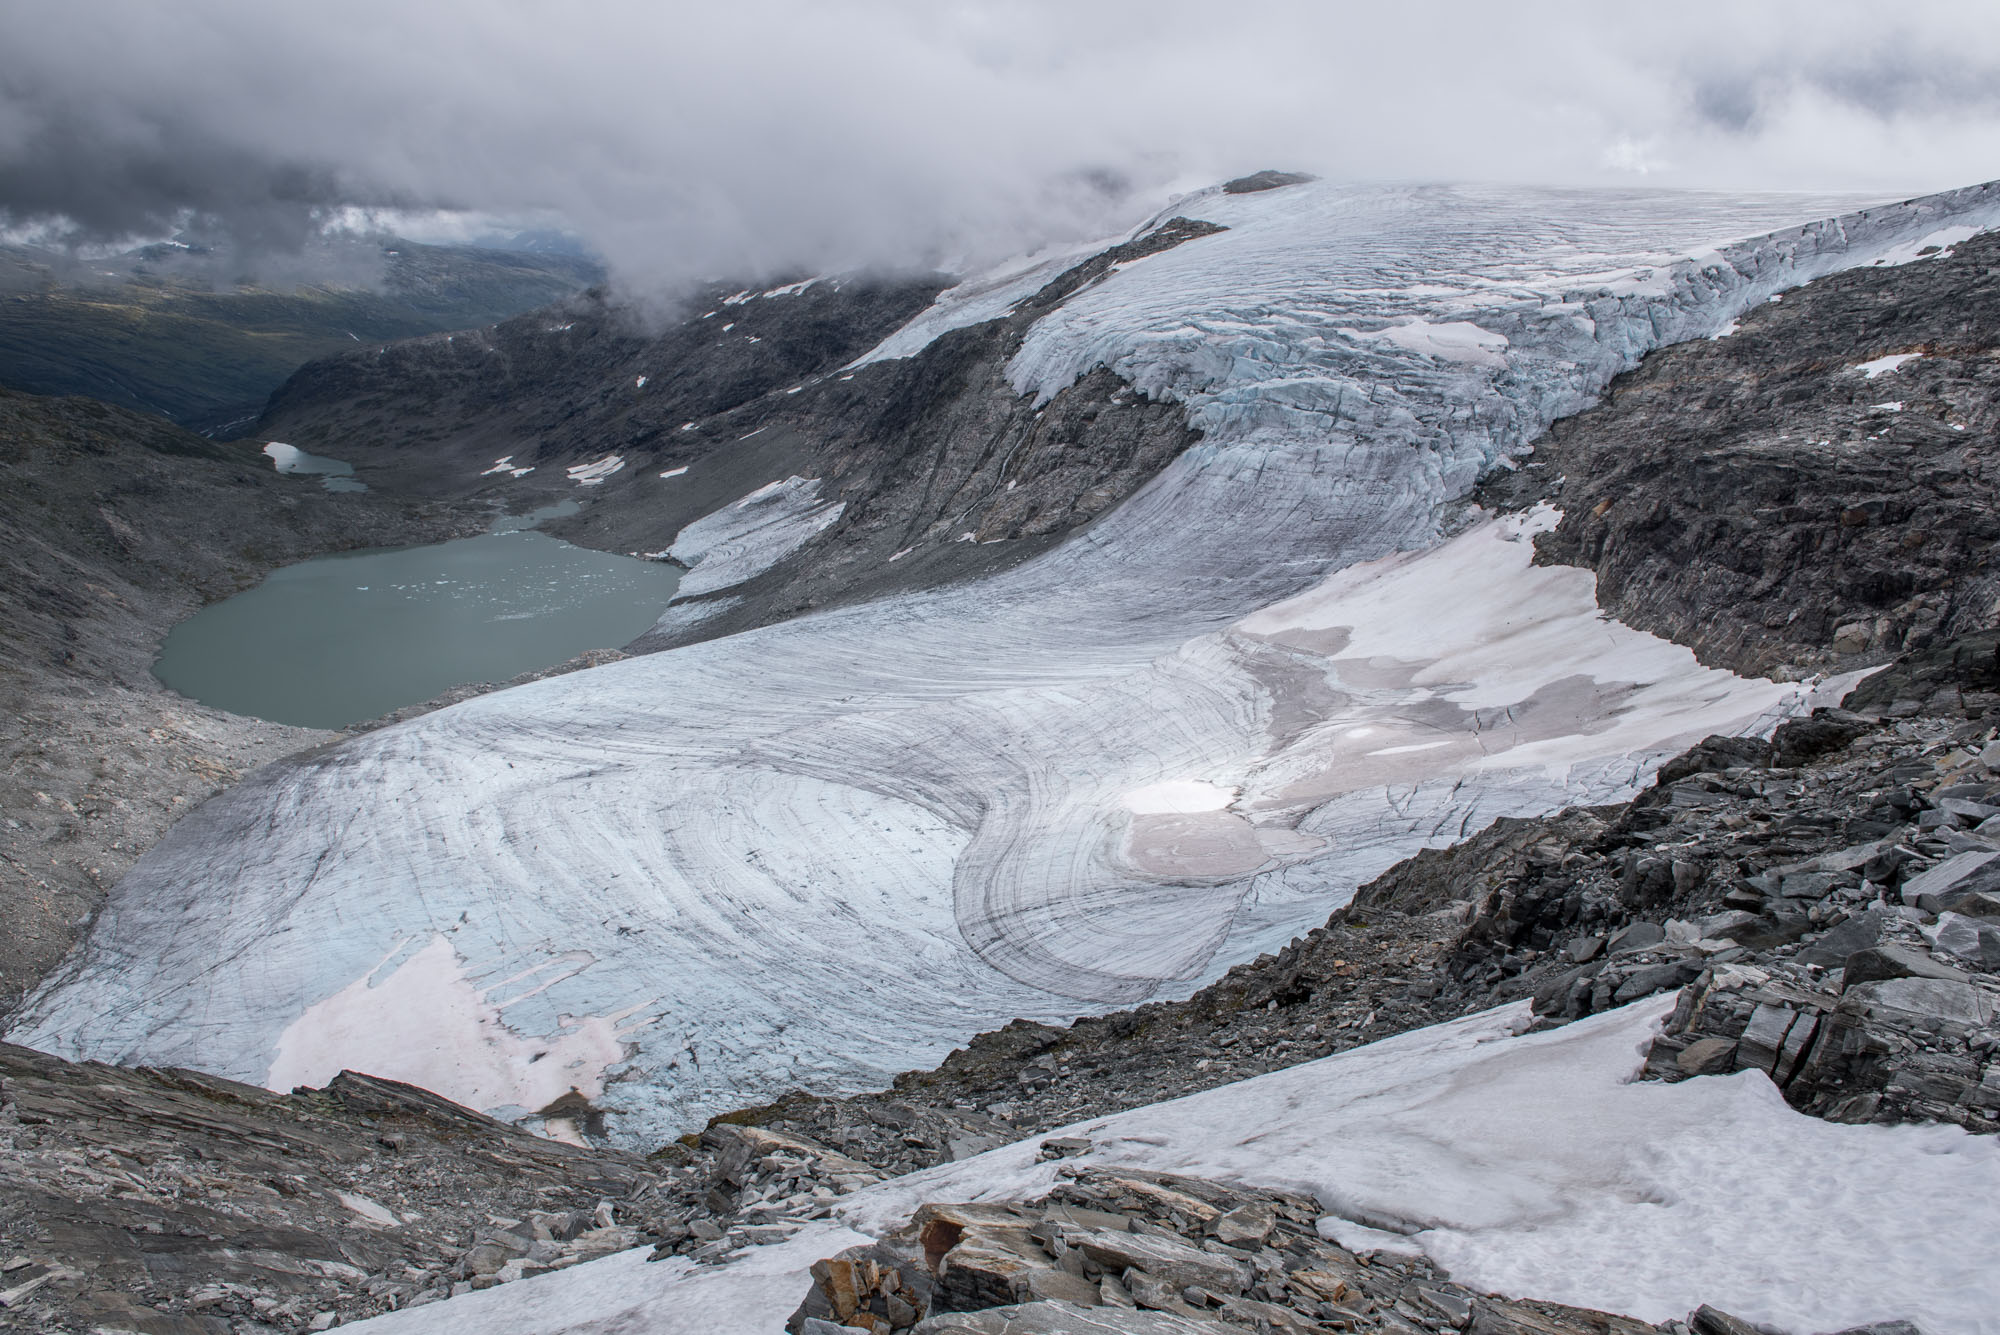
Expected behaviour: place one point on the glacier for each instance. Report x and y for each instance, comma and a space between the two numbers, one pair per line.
818, 853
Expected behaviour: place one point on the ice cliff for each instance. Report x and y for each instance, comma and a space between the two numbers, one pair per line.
824, 851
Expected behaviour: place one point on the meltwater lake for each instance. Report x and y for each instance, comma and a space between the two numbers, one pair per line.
340, 639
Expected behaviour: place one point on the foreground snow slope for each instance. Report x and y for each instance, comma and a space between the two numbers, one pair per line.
831, 849
1528, 1166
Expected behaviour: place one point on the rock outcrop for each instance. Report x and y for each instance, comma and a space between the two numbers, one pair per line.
174, 1203
1814, 491
1124, 1252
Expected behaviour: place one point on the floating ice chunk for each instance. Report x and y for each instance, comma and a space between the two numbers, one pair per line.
640, 383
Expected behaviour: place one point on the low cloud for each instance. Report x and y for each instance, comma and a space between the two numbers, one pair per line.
685, 141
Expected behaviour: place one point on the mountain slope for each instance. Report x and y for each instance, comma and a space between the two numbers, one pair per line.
157, 341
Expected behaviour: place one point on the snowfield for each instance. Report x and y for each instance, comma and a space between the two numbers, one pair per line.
830, 850
1529, 1166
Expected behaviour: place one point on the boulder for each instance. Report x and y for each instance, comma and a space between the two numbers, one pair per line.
1953, 873
1707, 1056
1168, 1258
1637, 936
1903, 1000
1894, 961
1857, 933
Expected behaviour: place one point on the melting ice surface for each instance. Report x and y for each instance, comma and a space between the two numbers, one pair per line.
338, 474
829, 850
343, 638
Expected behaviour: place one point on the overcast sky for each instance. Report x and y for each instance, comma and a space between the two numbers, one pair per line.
701, 139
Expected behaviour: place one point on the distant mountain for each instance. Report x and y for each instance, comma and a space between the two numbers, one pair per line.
151, 330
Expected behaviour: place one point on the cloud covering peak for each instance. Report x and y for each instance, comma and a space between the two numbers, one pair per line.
685, 140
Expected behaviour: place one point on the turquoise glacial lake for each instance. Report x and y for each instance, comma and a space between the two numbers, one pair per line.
340, 639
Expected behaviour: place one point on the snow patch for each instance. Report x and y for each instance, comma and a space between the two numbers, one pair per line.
1536, 1166
1533, 1166
983, 297
593, 473
1884, 365
750, 1295
1930, 246
426, 1021
750, 535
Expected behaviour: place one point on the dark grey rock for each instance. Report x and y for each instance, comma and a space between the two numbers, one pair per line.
1953, 873
1975, 941
1637, 936
1895, 961
1654, 978
1858, 933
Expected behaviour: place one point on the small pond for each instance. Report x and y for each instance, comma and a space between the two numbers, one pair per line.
344, 638
337, 474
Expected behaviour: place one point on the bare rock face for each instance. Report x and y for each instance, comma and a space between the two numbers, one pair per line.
1816, 490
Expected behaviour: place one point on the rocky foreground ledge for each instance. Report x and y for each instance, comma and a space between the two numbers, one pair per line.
1135, 1253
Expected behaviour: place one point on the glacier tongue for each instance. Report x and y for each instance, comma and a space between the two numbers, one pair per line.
828, 850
